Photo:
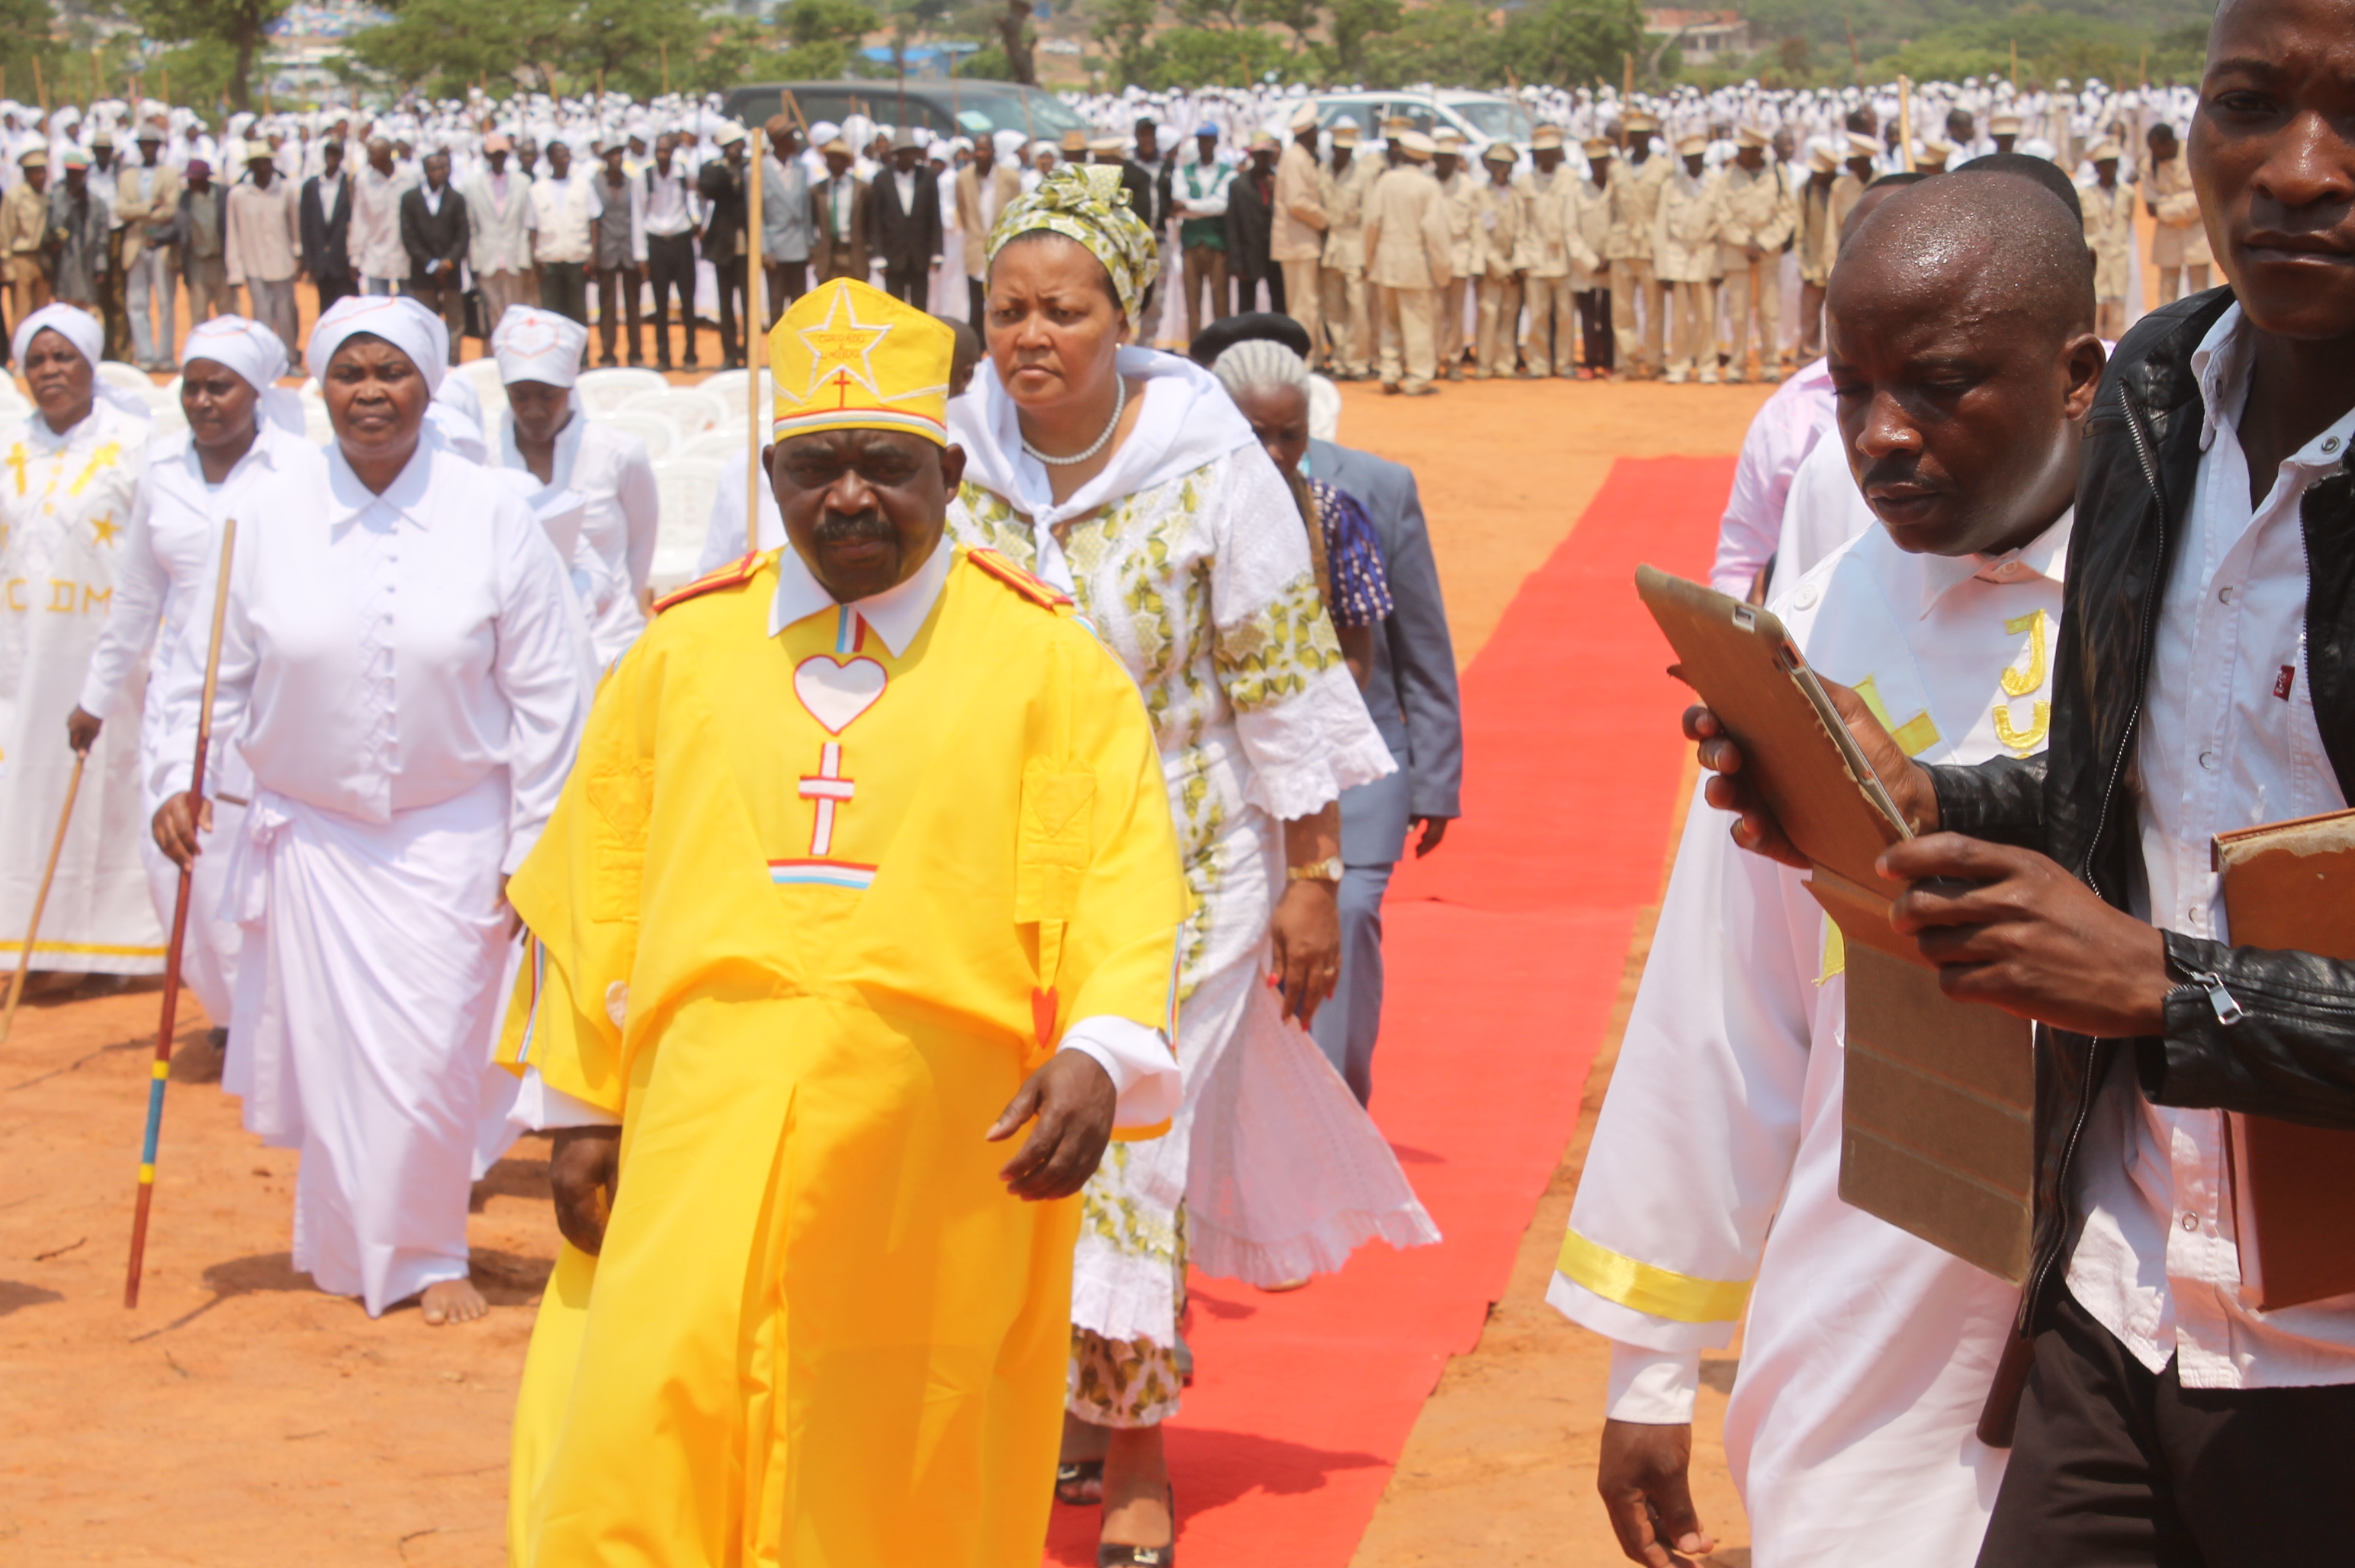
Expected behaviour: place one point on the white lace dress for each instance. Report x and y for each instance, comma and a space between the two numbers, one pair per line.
1199, 579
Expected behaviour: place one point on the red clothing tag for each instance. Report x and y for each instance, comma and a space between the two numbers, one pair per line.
2283, 681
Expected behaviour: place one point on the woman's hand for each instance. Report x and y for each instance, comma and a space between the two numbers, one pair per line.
1306, 935
584, 1174
177, 822
82, 729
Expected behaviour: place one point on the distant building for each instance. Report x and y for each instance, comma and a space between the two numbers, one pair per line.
1702, 35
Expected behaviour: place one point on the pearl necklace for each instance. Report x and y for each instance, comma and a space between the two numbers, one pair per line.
1119, 403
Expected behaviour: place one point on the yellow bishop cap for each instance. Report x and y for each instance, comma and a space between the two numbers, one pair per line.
847, 356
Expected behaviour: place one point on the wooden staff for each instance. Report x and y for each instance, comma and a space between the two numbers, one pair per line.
163, 1065
40, 88
1906, 123
665, 48
794, 107
41, 900
755, 340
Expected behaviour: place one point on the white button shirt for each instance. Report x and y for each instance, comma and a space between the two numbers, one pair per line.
2228, 741
386, 653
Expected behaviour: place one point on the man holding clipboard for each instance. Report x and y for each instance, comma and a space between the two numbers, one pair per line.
2205, 682
1867, 1352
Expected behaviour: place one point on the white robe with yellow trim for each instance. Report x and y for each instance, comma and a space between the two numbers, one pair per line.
65, 512
1867, 1353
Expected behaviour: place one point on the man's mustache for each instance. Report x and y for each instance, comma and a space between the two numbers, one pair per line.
1894, 469
869, 526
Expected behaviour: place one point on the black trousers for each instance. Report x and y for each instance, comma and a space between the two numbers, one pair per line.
334, 288
441, 295
1594, 328
733, 287
907, 284
787, 281
564, 288
2114, 1464
670, 265
976, 294
617, 300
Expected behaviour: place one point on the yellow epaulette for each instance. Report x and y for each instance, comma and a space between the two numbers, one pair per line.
1036, 590
733, 575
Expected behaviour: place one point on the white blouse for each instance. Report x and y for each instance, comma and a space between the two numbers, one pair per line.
614, 477
388, 653
176, 520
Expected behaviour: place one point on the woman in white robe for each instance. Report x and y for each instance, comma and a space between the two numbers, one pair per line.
400, 670
544, 431
243, 456
1130, 480
67, 472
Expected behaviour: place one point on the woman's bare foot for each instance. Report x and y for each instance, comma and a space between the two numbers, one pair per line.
1137, 1503
452, 1301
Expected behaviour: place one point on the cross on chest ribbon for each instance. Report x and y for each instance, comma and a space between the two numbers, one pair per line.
829, 789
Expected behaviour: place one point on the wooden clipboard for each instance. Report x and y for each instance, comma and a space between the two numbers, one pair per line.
1939, 1096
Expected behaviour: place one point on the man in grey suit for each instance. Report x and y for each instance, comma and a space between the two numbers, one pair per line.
1412, 695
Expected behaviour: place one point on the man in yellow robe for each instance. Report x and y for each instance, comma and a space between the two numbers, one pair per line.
866, 862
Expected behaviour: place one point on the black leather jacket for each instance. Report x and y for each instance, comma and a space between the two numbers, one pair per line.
2293, 1053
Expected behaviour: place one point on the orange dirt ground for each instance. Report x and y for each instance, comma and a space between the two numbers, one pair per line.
240, 1418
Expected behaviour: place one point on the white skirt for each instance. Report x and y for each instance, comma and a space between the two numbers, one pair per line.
365, 991
1281, 1171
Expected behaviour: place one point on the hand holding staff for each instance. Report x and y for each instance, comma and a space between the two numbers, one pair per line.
179, 934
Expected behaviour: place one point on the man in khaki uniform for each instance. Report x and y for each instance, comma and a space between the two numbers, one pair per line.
1590, 284
1343, 186
1296, 237
1407, 258
2179, 245
25, 236
1457, 186
2109, 234
1493, 262
1849, 189
1687, 225
1758, 218
1819, 246
1634, 204
1551, 249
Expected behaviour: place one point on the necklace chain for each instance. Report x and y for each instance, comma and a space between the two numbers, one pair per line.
1119, 404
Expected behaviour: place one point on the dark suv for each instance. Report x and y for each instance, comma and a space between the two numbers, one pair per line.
952, 108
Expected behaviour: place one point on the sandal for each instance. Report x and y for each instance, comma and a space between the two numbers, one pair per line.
1072, 1475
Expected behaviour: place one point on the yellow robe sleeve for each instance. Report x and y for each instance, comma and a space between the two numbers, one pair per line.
578, 892
1120, 946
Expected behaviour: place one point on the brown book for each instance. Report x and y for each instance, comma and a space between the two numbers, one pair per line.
2291, 886
1938, 1129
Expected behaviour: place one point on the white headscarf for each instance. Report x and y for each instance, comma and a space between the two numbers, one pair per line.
81, 329
398, 319
258, 358
535, 345
74, 323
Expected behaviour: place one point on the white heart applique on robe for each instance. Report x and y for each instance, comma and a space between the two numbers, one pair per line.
837, 693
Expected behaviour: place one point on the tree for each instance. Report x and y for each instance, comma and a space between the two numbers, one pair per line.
1298, 17
1216, 56
1574, 40
1121, 27
1451, 41
1354, 23
1015, 38
238, 24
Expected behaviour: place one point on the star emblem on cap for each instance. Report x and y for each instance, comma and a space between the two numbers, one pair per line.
842, 341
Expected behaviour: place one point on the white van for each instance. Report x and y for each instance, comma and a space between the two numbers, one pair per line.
1479, 118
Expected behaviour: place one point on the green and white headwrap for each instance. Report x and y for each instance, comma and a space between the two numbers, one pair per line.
1086, 202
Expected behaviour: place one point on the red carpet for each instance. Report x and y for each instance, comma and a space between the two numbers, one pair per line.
1504, 951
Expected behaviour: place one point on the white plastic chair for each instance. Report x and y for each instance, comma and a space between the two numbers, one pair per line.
691, 409
485, 374
607, 390
722, 443
685, 485
129, 377
659, 434
316, 428
727, 386
168, 394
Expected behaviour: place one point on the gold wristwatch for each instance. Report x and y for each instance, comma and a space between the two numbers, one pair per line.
1329, 869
